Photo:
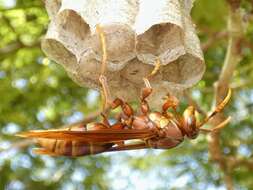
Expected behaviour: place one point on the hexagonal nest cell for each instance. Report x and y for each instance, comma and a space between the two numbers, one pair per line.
137, 32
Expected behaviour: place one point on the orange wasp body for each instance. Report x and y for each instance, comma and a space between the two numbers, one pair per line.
159, 130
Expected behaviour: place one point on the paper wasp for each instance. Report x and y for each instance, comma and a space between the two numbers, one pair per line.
158, 130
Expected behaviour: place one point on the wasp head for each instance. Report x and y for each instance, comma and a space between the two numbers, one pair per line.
189, 123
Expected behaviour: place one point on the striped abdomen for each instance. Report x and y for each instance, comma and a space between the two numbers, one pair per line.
71, 148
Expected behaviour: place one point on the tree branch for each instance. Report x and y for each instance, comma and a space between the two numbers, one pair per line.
217, 36
238, 162
233, 57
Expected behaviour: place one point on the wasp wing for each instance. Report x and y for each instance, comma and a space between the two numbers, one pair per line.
93, 136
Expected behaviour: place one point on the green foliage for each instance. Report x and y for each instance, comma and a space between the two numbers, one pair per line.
37, 93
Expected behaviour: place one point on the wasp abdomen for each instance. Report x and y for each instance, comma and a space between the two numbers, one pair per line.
72, 148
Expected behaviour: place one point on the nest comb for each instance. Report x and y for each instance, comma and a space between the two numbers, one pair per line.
137, 33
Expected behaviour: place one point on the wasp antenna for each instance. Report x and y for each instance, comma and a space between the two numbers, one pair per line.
222, 124
218, 127
217, 109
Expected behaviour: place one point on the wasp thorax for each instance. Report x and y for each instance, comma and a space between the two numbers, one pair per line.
159, 119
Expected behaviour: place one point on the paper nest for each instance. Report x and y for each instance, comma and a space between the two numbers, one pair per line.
137, 32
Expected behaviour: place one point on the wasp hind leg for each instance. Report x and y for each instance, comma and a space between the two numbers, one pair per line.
170, 102
128, 147
105, 92
147, 90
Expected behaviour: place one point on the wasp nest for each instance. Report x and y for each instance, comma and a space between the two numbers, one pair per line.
137, 32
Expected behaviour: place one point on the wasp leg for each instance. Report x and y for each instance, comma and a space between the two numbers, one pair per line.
105, 92
102, 78
170, 102
117, 125
126, 117
105, 120
126, 108
147, 90
129, 147
100, 31
144, 94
